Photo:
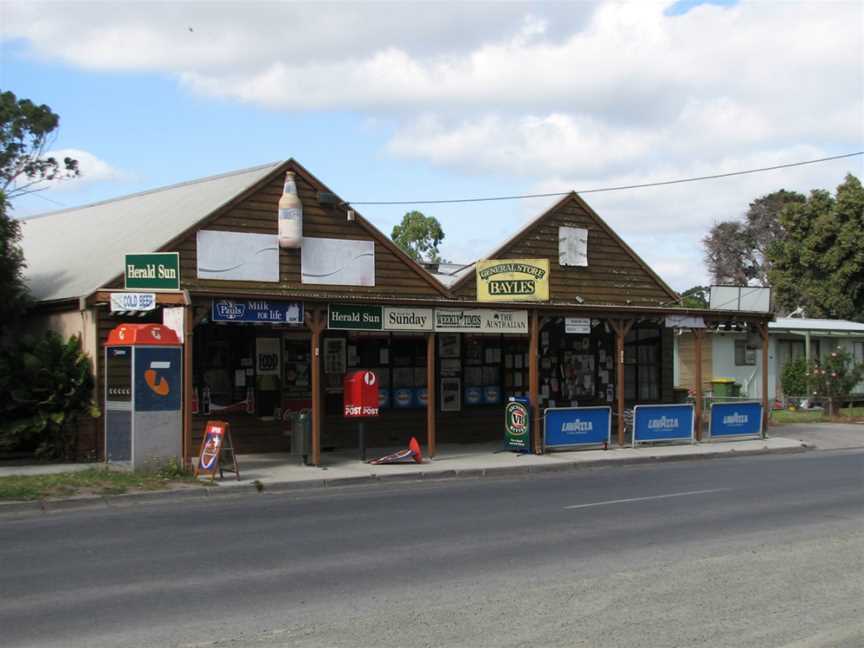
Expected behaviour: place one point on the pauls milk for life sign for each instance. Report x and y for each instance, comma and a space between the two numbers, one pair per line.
510, 280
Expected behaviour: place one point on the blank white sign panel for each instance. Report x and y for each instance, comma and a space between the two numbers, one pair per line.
337, 262
237, 256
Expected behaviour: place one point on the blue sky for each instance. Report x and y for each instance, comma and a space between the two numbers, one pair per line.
390, 102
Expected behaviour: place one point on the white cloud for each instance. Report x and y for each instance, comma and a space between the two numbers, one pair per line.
665, 225
547, 96
527, 145
92, 169
616, 58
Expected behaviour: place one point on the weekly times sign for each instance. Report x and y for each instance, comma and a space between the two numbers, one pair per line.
509, 280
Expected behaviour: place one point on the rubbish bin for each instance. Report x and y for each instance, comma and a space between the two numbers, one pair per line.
722, 387
299, 431
736, 389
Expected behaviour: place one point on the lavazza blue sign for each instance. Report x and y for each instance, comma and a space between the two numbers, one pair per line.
567, 427
743, 418
260, 311
663, 423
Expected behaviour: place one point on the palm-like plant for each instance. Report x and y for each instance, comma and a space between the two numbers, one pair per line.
46, 383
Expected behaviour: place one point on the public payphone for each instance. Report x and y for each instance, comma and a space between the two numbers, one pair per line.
143, 385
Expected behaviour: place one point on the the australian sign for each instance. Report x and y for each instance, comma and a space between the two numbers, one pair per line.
508, 280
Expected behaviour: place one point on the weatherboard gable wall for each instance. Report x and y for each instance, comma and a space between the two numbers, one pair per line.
396, 275
615, 274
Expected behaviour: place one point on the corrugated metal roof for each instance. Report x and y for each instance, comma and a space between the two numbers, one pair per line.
72, 252
803, 324
449, 273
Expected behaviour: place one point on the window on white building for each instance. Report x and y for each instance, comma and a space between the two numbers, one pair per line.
745, 354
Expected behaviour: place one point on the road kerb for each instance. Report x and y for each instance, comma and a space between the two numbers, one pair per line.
214, 493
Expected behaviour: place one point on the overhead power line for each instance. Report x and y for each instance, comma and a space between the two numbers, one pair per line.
605, 189
47, 199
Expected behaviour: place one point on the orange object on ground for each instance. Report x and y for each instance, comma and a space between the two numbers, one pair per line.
414, 447
412, 453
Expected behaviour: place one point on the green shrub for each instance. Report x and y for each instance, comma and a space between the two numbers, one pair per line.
45, 385
794, 378
834, 377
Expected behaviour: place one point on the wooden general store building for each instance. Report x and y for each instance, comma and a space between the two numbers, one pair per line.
562, 313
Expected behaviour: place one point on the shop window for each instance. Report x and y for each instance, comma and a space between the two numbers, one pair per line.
576, 369
745, 353
224, 368
642, 365
482, 362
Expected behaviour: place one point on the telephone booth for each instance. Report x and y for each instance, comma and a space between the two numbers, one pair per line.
143, 386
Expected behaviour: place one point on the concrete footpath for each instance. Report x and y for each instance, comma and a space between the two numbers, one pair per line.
279, 473
824, 436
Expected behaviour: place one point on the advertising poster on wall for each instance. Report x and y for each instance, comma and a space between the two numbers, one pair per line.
268, 353
451, 394
334, 356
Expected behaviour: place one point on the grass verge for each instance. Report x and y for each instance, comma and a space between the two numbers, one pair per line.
847, 415
93, 481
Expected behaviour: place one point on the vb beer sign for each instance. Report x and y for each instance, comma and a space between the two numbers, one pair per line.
517, 425
508, 280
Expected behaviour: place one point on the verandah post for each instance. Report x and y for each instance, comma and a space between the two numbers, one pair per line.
621, 328
188, 328
698, 334
430, 395
316, 322
534, 379
763, 332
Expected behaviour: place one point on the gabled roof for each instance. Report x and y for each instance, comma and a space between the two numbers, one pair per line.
447, 274
381, 238
501, 250
72, 252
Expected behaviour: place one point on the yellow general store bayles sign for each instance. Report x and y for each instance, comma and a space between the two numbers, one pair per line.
508, 280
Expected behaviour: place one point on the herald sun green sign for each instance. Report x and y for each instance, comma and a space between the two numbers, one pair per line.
357, 317
160, 270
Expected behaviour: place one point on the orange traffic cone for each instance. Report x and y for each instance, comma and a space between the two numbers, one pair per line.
414, 447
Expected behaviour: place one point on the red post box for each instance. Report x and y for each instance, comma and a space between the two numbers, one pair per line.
361, 394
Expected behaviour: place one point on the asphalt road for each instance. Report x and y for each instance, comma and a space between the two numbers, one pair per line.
754, 551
